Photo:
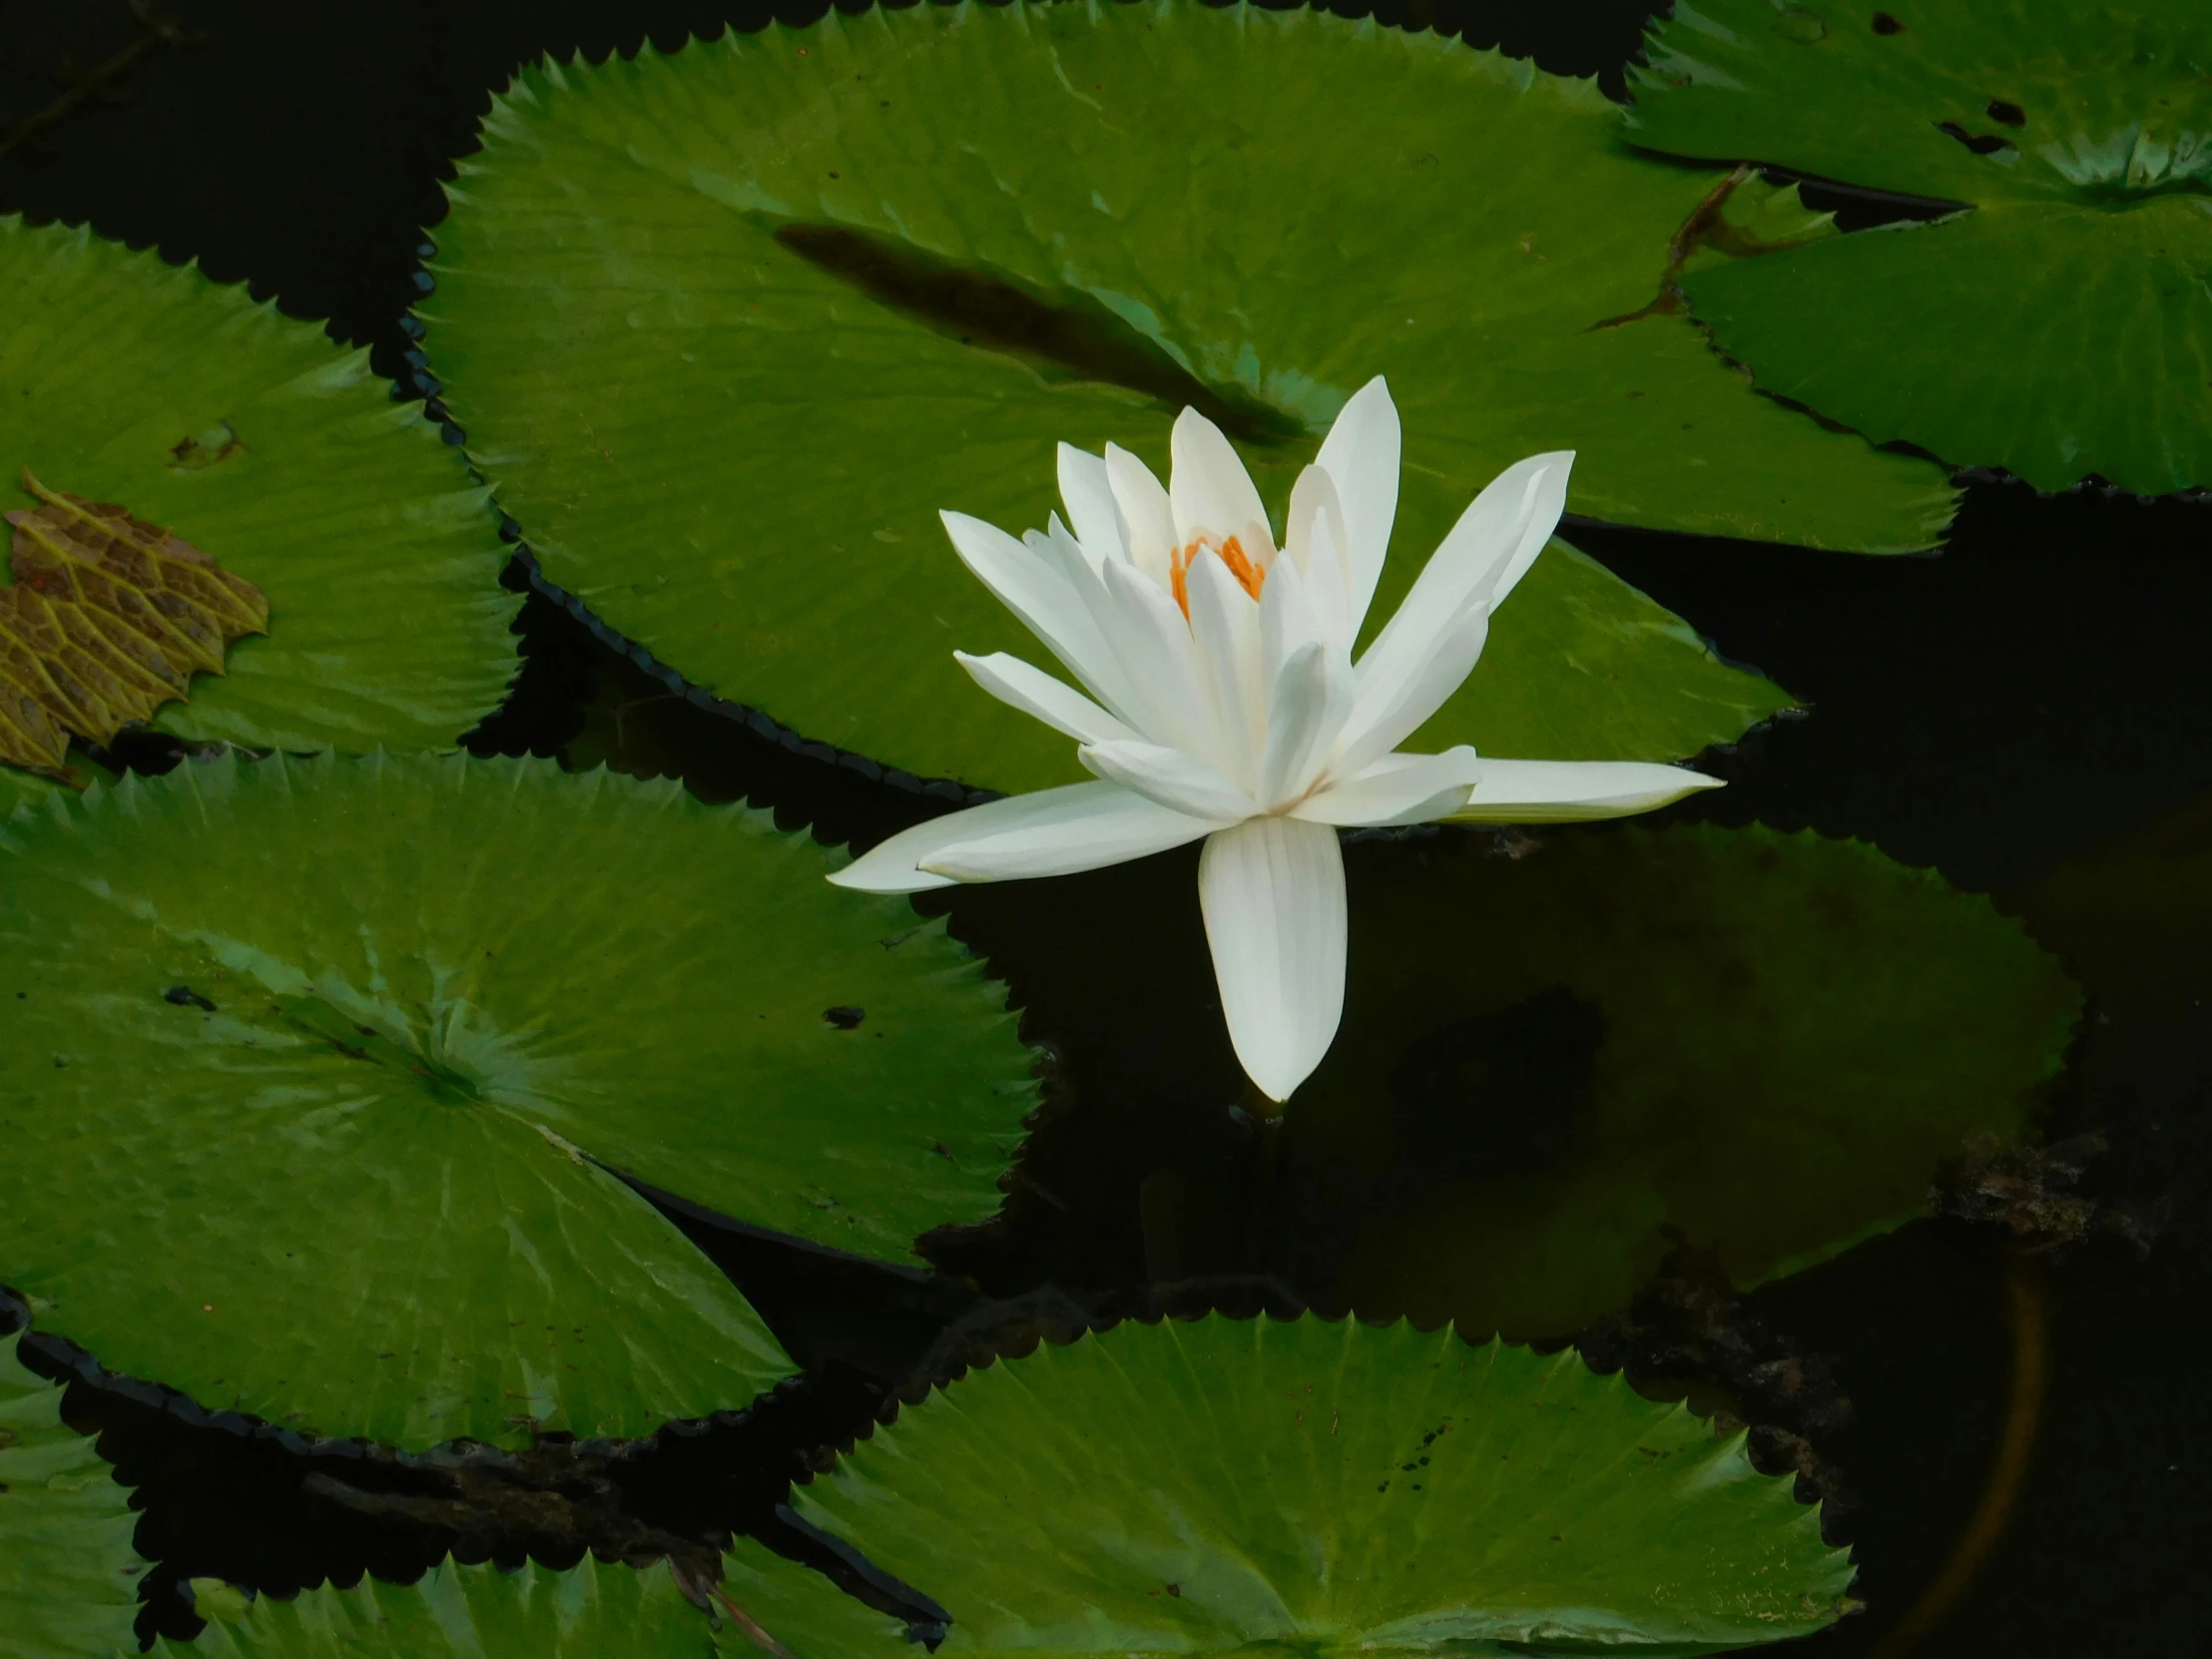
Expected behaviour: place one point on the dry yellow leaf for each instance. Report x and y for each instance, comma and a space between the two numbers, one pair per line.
109, 618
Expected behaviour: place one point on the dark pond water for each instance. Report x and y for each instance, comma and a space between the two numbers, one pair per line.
2010, 1436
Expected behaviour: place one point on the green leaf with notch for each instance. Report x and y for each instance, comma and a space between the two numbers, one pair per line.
279, 455
1317, 1488
727, 327
67, 1573
314, 1073
471, 1612
2060, 329
481, 1612
19, 788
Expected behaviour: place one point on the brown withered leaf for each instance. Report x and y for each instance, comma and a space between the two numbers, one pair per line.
109, 618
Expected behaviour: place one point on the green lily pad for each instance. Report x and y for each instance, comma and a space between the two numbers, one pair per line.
1759, 1045
18, 788
480, 1612
310, 1069
280, 455
67, 1573
21, 789
727, 327
1314, 1487
462, 1612
2063, 326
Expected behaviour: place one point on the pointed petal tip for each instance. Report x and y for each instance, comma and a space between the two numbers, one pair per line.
1546, 461
1375, 403
1551, 461
1190, 420
1574, 791
1377, 386
885, 879
1278, 1074
968, 531
1273, 895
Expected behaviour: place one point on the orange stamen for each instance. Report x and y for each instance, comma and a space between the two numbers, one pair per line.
1250, 577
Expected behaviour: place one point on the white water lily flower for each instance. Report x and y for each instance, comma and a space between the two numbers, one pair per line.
1223, 702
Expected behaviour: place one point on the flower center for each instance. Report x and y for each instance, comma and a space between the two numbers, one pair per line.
1250, 577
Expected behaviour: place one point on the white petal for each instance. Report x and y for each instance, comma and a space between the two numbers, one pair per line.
1022, 686
1495, 540
1146, 515
1564, 792
1084, 813
1057, 547
1386, 712
1090, 823
1398, 789
1078, 827
1273, 892
1059, 541
1313, 697
1316, 539
1209, 489
1151, 641
1286, 619
1360, 454
1103, 677
1225, 633
1040, 595
1550, 498
1173, 779
1061, 552
1089, 496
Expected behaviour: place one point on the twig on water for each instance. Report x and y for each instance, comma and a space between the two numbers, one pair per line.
103, 80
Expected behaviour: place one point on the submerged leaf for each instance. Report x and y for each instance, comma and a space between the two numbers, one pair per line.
727, 327
2134, 917
1324, 1487
320, 1080
1557, 1069
67, 1568
109, 617
2060, 329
